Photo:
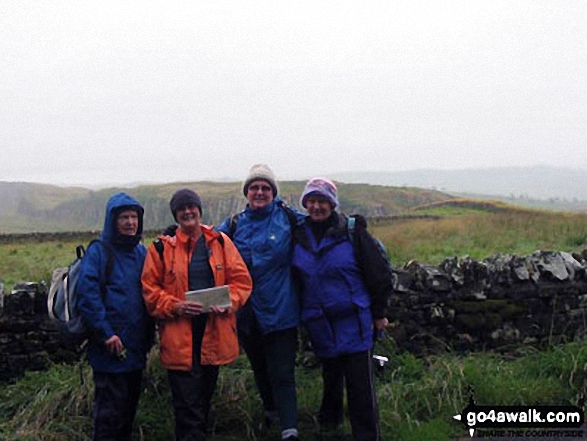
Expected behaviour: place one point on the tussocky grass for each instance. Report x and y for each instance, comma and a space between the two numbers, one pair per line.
417, 396
480, 234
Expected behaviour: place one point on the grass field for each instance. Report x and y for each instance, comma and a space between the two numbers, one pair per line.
417, 396
479, 232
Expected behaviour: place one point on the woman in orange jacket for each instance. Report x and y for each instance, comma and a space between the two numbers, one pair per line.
193, 343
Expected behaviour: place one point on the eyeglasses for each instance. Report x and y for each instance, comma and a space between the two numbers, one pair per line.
263, 188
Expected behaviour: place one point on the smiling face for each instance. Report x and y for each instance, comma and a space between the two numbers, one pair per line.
319, 207
127, 222
259, 194
188, 217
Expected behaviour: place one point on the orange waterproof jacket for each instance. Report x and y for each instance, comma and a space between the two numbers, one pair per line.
165, 282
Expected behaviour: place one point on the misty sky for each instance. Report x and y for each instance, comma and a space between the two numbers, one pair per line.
121, 91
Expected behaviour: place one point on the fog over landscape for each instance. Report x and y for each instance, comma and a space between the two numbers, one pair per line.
112, 92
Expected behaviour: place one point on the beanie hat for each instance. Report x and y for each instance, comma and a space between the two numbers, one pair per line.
320, 186
264, 173
184, 197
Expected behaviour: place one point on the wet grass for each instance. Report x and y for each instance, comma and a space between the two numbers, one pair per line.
417, 396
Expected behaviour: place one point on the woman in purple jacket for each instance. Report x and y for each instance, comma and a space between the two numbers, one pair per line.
345, 283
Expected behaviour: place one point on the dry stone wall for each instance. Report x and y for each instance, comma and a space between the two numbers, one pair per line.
501, 303
28, 340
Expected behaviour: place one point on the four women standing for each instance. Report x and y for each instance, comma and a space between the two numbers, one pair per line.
343, 281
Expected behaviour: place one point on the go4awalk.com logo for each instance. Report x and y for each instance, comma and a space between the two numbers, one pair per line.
513, 418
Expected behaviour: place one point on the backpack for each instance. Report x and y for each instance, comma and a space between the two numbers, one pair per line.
62, 299
351, 221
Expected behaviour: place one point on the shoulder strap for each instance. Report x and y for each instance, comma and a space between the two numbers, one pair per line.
159, 246
351, 228
292, 218
232, 226
291, 215
109, 255
109, 263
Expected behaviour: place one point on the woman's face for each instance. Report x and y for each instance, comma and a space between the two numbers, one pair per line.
188, 217
318, 207
259, 194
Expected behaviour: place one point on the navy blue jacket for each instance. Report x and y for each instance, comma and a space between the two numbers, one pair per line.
120, 309
339, 296
263, 237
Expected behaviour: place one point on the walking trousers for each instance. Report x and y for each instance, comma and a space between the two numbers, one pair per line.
356, 372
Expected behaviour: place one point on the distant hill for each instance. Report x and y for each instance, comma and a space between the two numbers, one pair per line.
27, 207
561, 188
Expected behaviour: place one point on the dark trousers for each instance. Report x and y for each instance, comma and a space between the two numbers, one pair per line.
356, 371
192, 393
272, 357
116, 397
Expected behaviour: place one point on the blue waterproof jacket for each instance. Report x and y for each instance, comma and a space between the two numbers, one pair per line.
264, 239
336, 304
120, 309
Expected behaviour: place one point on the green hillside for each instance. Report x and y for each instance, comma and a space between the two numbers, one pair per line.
29, 207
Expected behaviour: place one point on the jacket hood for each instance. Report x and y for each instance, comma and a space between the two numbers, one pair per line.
117, 203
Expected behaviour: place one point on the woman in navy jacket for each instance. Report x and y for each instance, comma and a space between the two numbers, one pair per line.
345, 283
111, 303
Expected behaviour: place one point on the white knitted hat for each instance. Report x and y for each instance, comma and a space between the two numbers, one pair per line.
264, 173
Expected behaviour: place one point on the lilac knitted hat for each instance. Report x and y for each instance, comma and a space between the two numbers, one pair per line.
323, 187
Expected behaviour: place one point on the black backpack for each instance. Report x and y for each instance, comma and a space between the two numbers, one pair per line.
351, 223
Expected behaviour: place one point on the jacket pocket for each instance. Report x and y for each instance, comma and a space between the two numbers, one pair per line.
320, 331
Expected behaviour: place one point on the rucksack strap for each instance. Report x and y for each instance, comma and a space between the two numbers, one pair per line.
158, 244
232, 226
292, 217
160, 247
351, 221
109, 257
80, 251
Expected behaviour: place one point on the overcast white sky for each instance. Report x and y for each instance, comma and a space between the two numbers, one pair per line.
122, 91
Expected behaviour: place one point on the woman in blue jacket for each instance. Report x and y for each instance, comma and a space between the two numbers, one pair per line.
345, 284
110, 300
267, 324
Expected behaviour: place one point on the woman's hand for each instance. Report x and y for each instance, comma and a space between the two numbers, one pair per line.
188, 308
381, 324
114, 345
221, 311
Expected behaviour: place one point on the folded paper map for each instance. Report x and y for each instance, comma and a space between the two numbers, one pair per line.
217, 296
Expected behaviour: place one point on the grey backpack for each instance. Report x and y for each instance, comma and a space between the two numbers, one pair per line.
62, 299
